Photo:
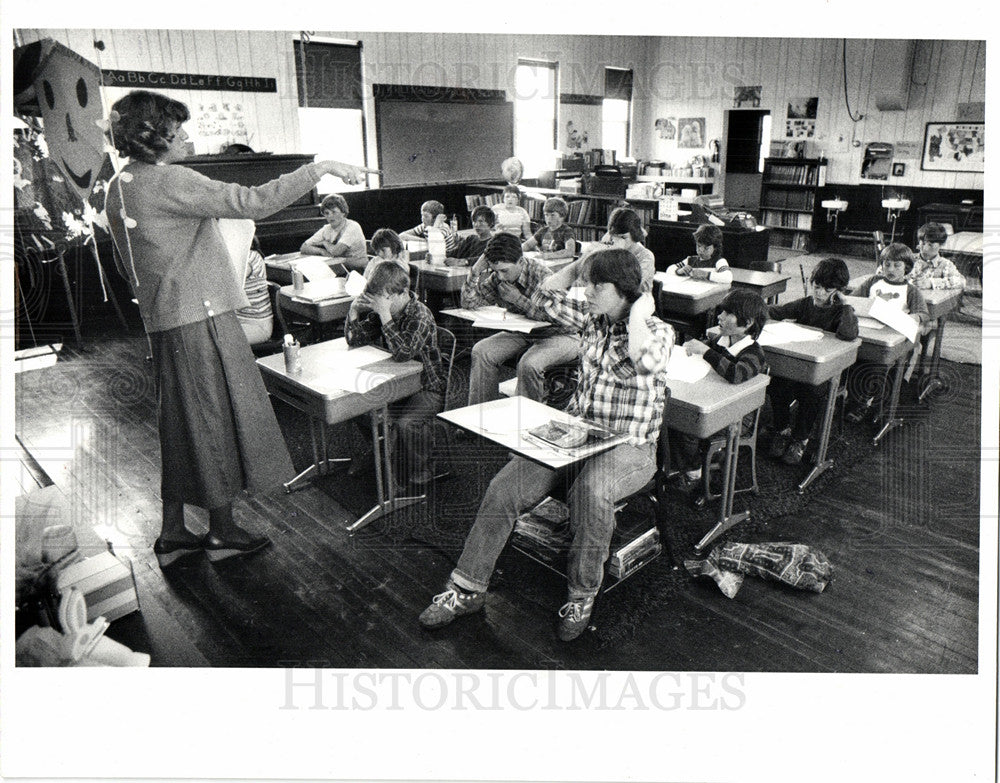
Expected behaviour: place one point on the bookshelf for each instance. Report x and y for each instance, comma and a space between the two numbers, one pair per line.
789, 203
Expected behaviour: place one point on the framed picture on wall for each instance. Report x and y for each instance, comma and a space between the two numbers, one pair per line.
954, 146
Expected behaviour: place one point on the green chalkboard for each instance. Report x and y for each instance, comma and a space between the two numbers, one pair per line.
428, 135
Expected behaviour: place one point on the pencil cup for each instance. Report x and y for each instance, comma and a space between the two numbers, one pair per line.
293, 361
298, 281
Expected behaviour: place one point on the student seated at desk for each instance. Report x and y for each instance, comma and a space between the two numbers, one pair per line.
340, 238
504, 277
825, 309
388, 314
890, 284
432, 214
931, 270
387, 246
708, 263
623, 354
471, 247
734, 353
625, 231
511, 217
555, 239
257, 320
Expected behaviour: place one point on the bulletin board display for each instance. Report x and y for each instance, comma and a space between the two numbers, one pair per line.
427, 141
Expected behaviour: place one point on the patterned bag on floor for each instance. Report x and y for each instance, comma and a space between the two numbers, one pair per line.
797, 565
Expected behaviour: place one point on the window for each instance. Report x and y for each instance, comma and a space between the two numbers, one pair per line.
616, 111
535, 102
331, 119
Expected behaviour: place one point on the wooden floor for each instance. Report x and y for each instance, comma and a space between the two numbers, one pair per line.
900, 527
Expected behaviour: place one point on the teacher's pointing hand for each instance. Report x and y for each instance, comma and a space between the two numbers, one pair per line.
352, 175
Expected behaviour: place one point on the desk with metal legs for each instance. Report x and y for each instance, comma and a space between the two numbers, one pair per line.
703, 408
940, 302
767, 284
814, 362
887, 347
316, 392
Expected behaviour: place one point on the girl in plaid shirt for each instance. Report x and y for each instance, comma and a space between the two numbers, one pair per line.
388, 313
624, 351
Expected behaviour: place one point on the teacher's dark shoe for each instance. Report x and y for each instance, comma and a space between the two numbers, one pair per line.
217, 549
169, 552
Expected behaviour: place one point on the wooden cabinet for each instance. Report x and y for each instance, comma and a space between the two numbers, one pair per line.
789, 204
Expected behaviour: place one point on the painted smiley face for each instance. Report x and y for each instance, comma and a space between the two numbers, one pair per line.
68, 89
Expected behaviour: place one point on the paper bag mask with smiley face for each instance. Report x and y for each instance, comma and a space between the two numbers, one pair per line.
68, 91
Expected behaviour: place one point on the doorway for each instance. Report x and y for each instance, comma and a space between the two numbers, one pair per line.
745, 134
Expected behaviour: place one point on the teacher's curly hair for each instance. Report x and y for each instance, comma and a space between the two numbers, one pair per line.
143, 123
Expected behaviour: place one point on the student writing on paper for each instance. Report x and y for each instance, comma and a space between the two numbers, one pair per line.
734, 353
823, 308
891, 286
471, 247
218, 433
388, 313
707, 263
340, 238
555, 239
625, 231
932, 270
504, 277
623, 353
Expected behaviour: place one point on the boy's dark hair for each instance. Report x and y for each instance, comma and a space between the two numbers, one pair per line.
932, 232
749, 308
486, 214
503, 249
708, 234
557, 205
335, 200
434, 207
831, 273
512, 189
626, 221
386, 237
897, 251
388, 277
618, 267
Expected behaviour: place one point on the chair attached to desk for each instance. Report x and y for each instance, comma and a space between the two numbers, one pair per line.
717, 447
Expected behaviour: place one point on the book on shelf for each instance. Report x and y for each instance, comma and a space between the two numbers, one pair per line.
637, 546
627, 568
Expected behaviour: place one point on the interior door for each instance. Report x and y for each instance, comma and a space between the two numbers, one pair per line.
743, 136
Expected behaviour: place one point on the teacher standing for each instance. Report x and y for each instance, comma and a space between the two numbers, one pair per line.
218, 434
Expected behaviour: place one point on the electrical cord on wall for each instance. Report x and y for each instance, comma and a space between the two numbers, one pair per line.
847, 102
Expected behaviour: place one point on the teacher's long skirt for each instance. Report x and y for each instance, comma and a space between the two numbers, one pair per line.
218, 434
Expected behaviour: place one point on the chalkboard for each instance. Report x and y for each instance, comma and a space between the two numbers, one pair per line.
452, 137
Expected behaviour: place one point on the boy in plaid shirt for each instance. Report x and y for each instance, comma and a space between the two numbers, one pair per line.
388, 313
623, 356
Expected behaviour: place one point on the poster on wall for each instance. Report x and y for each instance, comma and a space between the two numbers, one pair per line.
954, 146
580, 126
800, 118
692, 133
666, 128
909, 150
221, 123
746, 96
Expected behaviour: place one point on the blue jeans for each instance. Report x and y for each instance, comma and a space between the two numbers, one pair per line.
594, 488
537, 353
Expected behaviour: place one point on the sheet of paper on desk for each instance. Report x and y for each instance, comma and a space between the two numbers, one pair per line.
685, 368
895, 318
283, 259
870, 323
778, 332
313, 268
494, 317
353, 380
503, 421
678, 284
862, 304
319, 290
355, 285
353, 358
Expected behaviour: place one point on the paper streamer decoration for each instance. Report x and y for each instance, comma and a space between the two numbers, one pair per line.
79, 638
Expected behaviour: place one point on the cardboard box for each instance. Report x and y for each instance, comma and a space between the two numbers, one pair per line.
107, 584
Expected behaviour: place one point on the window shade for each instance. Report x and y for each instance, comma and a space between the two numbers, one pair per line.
330, 77
618, 84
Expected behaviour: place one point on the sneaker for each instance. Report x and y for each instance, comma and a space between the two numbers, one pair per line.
693, 475
793, 454
573, 618
779, 444
450, 604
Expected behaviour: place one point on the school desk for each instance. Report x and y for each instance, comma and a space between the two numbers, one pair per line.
324, 311
684, 296
940, 302
887, 347
768, 284
965, 250
506, 421
703, 408
815, 362
279, 267
315, 392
